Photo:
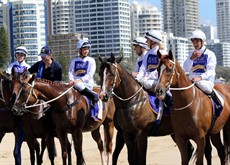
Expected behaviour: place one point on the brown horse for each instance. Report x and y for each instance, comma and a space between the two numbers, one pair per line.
71, 114
134, 117
23, 127
192, 115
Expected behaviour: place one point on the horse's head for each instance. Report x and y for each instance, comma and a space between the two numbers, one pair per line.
21, 90
109, 76
5, 89
166, 70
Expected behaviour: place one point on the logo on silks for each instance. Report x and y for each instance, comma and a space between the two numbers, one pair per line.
152, 62
81, 68
199, 64
19, 69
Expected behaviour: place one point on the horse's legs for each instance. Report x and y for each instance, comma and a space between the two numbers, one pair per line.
208, 150
181, 143
31, 144
51, 148
190, 148
132, 148
142, 142
69, 152
109, 131
77, 138
200, 141
216, 141
97, 138
62, 136
37, 149
226, 139
43, 147
118, 147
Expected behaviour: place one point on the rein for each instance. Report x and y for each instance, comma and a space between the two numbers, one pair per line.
113, 86
43, 103
180, 89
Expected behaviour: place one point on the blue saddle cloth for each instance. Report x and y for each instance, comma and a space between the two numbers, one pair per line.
217, 111
93, 109
154, 102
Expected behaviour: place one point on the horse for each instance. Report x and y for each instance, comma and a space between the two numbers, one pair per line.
11, 122
133, 117
71, 113
192, 115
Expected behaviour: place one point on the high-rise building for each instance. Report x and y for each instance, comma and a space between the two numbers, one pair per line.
179, 47
222, 52
209, 31
181, 17
62, 16
26, 27
107, 23
144, 18
223, 21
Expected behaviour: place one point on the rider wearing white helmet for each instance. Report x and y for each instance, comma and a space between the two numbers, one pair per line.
148, 75
82, 70
19, 65
140, 47
201, 65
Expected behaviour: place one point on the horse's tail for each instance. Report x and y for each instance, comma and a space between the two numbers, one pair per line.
226, 139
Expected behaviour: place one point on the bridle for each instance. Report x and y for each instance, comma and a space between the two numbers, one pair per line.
111, 89
33, 93
168, 84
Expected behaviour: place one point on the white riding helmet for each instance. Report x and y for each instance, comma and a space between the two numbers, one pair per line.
141, 41
154, 35
82, 44
198, 34
21, 49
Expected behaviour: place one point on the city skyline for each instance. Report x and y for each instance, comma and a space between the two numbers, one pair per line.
206, 17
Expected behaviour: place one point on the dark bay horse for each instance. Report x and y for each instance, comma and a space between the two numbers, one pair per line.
71, 114
192, 114
134, 116
10, 122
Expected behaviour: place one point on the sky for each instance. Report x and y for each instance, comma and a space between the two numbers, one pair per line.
207, 10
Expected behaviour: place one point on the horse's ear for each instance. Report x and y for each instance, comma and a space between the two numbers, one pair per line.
119, 59
159, 54
170, 55
31, 78
113, 58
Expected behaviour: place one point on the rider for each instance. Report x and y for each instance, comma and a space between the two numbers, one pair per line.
148, 75
20, 64
47, 68
140, 47
201, 65
82, 70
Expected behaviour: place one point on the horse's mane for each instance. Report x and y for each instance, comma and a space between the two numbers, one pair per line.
60, 84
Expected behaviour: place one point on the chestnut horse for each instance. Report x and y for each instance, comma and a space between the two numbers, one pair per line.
71, 114
192, 114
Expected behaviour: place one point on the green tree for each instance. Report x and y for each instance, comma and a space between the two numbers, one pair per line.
4, 51
63, 60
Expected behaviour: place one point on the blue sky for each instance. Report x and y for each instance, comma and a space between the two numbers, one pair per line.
207, 9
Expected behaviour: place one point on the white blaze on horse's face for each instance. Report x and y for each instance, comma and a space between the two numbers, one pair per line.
104, 80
